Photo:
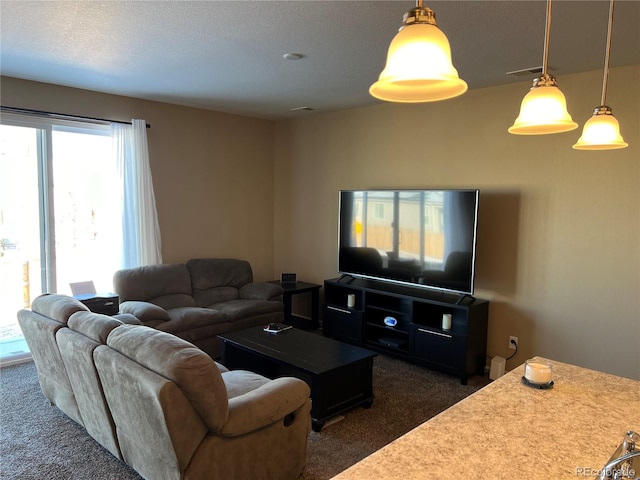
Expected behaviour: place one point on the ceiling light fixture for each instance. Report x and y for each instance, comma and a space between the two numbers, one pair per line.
419, 67
544, 108
602, 130
292, 56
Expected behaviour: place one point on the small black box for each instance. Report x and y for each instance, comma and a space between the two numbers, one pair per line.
106, 304
392, 342
288, 278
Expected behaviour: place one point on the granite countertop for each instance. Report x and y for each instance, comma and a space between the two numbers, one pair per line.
508, 430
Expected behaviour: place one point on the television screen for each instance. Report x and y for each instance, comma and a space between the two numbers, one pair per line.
417, 237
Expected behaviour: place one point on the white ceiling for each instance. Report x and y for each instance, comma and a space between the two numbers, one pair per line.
227, 55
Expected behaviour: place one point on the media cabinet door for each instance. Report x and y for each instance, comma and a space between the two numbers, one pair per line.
343, 324
442, 350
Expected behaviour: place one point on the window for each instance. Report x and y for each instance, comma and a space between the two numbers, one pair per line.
60, 217
378, 211
406, 225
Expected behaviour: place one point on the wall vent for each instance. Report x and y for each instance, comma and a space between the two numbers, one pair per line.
526, 71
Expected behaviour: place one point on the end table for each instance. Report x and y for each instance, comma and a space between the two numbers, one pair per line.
104, 303
291, 289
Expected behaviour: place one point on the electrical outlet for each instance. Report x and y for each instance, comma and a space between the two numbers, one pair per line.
513, 342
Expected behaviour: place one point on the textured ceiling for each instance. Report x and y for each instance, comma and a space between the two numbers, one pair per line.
227, 55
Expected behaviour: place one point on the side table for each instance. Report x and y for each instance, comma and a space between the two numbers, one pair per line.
104, 303
291, 289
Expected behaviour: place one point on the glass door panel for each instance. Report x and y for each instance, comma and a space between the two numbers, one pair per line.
20, 248
379, 221
409, 226
87, 210
59, 217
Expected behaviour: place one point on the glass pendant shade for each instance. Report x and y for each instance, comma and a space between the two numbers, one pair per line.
543, 111
601, 132
418, 68
544, 108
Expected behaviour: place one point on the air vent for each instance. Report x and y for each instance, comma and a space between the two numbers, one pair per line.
526, 72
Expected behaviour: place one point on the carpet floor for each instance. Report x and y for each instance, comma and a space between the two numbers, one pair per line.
37, 441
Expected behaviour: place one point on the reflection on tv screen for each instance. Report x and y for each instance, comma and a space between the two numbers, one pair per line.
421, 237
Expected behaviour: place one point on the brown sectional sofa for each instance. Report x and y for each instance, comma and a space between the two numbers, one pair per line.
199, 299
162, 405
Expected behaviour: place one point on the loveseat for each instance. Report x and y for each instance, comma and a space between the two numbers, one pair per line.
160, 404
199, 299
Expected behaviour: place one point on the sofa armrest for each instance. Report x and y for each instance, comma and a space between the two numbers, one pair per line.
221, 367
128, 319
261, 291
265, 405
144, 311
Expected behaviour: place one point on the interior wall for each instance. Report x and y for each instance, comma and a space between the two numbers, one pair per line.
212, 172
559, 229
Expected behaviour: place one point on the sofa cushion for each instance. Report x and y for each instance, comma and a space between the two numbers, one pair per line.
77, 344
240, 309
174, 301
208, 275
145, 311
239, 382
261, 291
187, 318
127, 318
57, 307
40, 333
192, 370
215, 295
93, 325
219, 272
196, 325
168, 285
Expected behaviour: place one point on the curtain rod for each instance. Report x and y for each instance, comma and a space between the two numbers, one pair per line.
61, 116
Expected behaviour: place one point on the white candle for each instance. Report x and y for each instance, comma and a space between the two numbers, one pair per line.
351, 300
446, 321
537, 372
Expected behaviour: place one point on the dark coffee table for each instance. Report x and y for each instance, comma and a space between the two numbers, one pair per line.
339, 375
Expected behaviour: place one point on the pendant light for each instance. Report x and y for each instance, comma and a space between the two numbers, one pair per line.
544, 108
419, 67
602, 131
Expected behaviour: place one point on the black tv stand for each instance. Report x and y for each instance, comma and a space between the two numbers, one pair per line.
346, 275
418, 335
463, 297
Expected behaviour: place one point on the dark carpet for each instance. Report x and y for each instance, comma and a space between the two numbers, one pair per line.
37, 441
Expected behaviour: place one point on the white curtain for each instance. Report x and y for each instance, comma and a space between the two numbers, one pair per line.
140, 229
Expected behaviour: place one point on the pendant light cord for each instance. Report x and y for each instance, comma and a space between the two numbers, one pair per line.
605, 77
547, 34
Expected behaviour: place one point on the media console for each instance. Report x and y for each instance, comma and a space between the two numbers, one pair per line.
418, 335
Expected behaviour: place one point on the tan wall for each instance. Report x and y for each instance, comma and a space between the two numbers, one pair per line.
212, 172
559, 229
559, 234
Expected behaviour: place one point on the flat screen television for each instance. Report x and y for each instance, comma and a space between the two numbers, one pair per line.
424, 238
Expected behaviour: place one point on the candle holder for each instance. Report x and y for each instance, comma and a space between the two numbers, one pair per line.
538, 374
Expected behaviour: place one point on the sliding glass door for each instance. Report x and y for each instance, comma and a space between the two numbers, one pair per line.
20, 248
86, 210
59, 214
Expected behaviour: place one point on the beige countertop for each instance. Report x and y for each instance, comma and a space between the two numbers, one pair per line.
507, 430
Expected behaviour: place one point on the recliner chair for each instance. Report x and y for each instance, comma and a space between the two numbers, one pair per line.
178, 416
161, 404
